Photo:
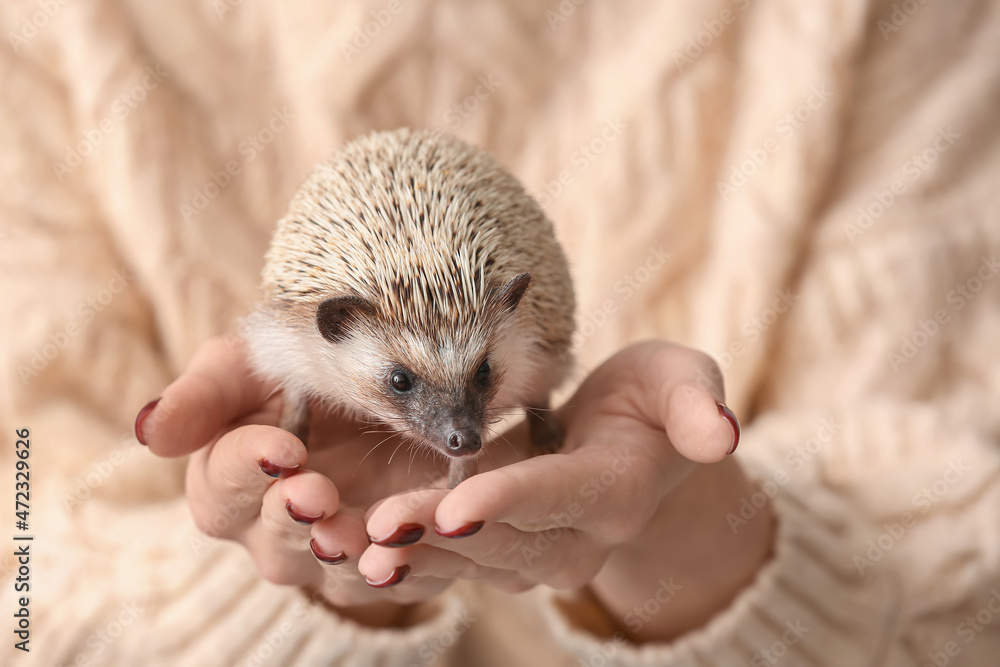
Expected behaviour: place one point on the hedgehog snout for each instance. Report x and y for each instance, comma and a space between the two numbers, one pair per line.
464, 441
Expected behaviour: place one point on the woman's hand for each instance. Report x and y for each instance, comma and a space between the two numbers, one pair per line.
623, 507
248, 481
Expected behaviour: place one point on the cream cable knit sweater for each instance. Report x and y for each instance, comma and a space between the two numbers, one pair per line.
823, 176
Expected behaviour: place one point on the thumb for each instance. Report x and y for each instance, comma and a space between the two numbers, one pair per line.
700, 427
217, 388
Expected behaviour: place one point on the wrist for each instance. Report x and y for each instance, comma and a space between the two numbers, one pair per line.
688, 564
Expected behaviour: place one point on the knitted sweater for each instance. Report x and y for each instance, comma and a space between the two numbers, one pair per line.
805, 190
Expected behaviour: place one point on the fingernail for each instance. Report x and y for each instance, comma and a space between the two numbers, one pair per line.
464, 531
141, 418
299, 517
734, 423
405, 535
321, 555
272, 469
397, 576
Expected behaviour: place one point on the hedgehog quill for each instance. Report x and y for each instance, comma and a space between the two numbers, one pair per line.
413, 281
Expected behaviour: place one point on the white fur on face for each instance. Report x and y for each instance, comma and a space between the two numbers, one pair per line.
352, 374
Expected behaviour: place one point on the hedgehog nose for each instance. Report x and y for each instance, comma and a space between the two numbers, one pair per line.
464, 441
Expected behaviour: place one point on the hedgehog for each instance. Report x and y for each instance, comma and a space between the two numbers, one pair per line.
414, 282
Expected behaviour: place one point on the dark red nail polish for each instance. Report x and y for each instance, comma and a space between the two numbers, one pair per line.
271, 469
734, 423
299, 517
405, 535
141, 417
463, 531
397, 576
321, 555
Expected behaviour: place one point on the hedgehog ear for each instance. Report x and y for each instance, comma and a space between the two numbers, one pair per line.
335, 317
510, 294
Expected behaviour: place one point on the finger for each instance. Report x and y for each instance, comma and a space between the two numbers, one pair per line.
400, 530
226, 483
339, 539
414, 589
279, 541
344, 584
405, 518
217, 388
607, 489
293, 505
380, 563
697, 424
666, 387
681, 390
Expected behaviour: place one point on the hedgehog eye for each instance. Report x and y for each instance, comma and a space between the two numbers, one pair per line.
401, 382
484, 370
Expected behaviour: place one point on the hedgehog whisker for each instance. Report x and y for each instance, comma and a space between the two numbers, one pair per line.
524, 407
401, 443
501, 436
390, 437
413, 453
502, 411
364, 413
378, 431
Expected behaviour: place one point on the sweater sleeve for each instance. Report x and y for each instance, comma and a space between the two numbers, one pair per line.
875, 547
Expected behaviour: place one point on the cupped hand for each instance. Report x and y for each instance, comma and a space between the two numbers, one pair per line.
621, 506
624, 507
299, 513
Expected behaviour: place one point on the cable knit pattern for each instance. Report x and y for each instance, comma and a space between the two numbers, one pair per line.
806, 190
